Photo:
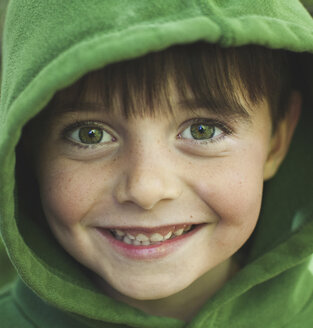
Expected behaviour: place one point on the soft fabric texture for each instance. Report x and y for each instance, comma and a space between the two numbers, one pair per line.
48, 45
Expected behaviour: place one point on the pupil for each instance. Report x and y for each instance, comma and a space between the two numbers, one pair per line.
201, 129
91, 133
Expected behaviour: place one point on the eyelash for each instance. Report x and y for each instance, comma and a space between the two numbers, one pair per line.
212, 122
81, 124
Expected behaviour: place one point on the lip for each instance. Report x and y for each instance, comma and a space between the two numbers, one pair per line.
150, 252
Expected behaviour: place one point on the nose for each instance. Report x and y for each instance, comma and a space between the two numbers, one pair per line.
147, 180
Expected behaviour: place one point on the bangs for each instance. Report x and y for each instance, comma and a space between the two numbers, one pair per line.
226, 81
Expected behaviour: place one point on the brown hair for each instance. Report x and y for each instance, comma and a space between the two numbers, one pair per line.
211, 76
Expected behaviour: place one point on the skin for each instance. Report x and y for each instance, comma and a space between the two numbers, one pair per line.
153, 174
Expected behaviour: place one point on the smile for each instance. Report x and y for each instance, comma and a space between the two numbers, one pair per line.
144, 239
145, 243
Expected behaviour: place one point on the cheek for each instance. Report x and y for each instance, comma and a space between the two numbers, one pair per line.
68, 190
240, 193
232, 188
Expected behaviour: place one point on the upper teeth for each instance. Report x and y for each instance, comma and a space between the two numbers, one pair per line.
142, 239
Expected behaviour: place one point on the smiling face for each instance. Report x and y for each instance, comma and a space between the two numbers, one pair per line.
151, 172
154, 174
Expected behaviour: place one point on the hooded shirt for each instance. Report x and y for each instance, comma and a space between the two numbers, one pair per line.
47, 46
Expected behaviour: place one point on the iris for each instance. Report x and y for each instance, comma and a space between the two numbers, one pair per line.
89, 135
202, 131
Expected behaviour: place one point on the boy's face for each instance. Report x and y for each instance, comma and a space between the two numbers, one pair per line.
97, 171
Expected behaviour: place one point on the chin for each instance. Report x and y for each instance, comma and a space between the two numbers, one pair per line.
149, 291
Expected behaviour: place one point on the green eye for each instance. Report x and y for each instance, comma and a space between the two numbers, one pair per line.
90, 135
202, 131
207, 131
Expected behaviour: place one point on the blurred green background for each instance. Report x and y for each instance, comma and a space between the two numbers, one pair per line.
308, 4
7, 273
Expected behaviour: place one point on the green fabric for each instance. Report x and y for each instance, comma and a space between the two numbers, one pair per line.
7, 272
47, 45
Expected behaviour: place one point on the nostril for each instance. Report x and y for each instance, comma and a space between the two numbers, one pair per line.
147, 186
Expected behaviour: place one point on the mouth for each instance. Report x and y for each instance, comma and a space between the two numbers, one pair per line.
138, 243
146, 237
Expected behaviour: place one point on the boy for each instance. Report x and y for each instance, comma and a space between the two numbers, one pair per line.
141, 180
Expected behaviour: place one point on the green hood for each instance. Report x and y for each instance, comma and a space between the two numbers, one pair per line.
48, 45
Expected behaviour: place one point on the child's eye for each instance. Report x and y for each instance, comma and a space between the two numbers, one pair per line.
202, 131
89, 135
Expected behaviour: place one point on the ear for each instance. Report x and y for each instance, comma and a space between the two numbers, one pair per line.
280, 141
